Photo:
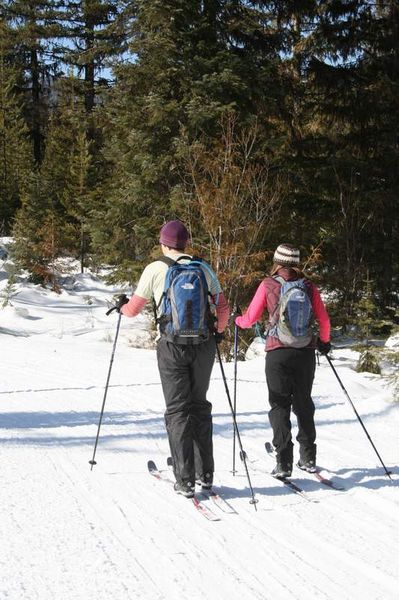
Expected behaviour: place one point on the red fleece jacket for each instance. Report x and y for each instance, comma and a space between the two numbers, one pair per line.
266, 298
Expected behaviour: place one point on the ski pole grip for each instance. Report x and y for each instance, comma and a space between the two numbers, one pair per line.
237, 312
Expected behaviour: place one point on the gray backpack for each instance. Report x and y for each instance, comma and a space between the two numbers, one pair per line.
292, 318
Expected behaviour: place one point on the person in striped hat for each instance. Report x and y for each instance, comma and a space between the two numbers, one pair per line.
293, 303
286, 255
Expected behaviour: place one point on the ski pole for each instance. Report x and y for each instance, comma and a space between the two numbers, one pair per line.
243, 455
235, 394
358, 416
92, 462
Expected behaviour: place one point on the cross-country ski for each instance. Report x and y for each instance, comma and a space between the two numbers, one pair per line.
200, 506
316, 473
210, 493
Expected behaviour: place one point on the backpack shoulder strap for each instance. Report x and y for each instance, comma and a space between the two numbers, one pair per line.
167, 260
183, 257
272, 317
279, 279
171, 261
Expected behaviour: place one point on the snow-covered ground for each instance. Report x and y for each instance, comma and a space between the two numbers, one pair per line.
71, 533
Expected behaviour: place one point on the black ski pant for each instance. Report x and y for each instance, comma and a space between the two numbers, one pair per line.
289, 376
185, 374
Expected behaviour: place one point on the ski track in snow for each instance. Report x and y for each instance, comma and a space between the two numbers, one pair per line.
71, 533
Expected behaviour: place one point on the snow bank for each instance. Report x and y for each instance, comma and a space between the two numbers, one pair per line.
114, 532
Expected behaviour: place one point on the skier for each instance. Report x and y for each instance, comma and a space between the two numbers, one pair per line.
185, 363
290, 354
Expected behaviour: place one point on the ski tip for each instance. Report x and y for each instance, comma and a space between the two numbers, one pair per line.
269, 448
169, 461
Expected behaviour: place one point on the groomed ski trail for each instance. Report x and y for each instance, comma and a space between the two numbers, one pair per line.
74, 534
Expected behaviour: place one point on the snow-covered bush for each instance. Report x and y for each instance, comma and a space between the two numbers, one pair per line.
393, 341
255, 349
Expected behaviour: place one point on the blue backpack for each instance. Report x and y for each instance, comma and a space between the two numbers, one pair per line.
185, 313
292, 318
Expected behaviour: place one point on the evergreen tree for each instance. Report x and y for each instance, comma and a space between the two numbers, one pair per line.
367, 322
36, 231
76, 195
351, 143
98, 31
230, 201
194, 61
59, 194
36, 24
15, 150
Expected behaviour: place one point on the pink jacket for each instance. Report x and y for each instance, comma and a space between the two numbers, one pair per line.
266, 298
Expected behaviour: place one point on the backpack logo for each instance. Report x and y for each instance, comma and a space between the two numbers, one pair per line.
292, 319
185, 314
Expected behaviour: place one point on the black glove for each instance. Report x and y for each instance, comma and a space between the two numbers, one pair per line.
237, 312
121, 300
323, 347
219, 336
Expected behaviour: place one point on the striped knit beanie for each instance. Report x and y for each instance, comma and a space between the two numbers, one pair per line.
286, 255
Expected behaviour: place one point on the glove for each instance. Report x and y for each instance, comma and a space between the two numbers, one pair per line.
219, 336
121, 300
323, 347
237, 312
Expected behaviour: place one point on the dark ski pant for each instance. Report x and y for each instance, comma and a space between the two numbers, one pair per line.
289, 376
185, 374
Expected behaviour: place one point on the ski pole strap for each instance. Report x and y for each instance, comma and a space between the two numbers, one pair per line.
258, 332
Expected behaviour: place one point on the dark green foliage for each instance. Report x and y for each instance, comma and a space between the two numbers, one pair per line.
51, 220
368, 321
36, 25
353, 96
194, 63
15, 148
98, 34
319, 80
368, 362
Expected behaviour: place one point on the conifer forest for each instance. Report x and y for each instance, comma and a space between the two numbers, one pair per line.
256, 123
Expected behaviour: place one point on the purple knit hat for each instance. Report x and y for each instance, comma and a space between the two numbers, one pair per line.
174, 235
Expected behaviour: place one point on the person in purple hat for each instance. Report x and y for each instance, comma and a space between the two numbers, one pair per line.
185, 363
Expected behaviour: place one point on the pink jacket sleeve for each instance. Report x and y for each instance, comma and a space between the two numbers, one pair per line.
321, 315
222, 312
134, 306
255, 310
